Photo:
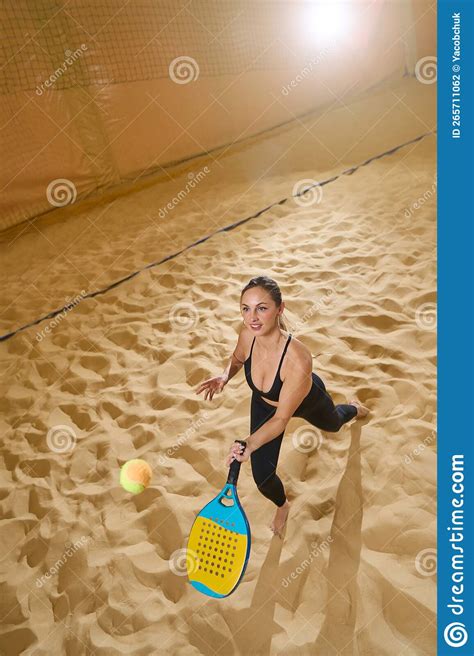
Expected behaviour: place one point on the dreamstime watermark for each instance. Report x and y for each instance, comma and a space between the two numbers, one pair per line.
40, 335
61, 192
305, 72
425, 316
426, 562
71, 549
183, 70
306, 192
306, 439
418, 204
316, 550
193, 180
322, 302
426, 69
183, 438
183, 561
418, 450
61, 438
183, 316
455, 634
71, 57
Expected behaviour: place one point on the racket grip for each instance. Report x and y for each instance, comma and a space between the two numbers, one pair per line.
234, 468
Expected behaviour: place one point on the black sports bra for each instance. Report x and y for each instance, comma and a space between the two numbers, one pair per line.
274, 392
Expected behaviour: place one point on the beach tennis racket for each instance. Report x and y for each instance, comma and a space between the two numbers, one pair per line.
219, 542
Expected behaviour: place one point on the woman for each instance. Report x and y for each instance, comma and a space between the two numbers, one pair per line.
281, 365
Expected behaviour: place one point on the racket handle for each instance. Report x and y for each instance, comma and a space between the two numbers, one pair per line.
234, 468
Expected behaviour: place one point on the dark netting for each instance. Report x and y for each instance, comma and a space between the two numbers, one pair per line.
116, 41
90, 89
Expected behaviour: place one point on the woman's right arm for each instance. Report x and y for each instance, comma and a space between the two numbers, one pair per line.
237, 358
215, 385
233, 366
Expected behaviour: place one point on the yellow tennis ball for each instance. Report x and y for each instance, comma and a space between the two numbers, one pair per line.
135, 475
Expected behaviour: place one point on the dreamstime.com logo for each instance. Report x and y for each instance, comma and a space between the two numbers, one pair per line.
71, 303
61, 192
455, 634
61, 438
183, 561
183, 70
426, 70
305, 72
425, 316
192, 182
71, 57
418, 450
182, 439
183, 316
426, 562
313, 309
306, 439
306, 192
421, 200
316, 550
71, 548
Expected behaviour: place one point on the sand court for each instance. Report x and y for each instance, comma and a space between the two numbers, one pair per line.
110, 320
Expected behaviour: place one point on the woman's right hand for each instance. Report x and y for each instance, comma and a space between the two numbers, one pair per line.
212, 386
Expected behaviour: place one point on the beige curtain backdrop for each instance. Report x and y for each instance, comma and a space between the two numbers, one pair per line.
97, 94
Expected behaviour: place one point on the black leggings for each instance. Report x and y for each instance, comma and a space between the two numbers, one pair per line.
317, 408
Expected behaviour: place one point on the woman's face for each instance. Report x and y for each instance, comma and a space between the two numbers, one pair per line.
259, 310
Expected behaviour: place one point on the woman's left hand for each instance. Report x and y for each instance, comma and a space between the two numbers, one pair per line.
237, 452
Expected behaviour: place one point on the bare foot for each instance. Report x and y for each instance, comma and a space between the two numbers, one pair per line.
362, 410
280, 518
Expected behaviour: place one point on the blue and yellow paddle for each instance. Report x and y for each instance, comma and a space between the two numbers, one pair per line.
219, 542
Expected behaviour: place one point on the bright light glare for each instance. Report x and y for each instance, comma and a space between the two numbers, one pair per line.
327, 21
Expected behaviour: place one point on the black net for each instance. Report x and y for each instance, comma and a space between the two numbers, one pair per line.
86, 43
